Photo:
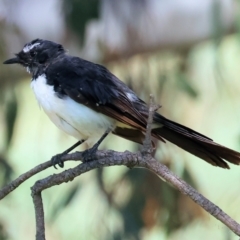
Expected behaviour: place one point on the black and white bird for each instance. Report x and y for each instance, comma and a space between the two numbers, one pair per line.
87, 101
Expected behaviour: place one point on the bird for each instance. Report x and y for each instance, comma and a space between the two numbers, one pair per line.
87, 101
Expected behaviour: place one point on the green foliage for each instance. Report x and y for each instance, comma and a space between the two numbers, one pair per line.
185, 85
10, 116
151, 203
3, 234
65, 200
78, 13
217, 25
237, 20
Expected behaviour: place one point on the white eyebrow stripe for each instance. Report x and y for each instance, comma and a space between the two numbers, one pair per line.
29, 47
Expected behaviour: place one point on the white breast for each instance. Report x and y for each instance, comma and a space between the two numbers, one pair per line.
73, 118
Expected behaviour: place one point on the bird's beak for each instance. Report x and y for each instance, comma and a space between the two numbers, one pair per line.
12, 61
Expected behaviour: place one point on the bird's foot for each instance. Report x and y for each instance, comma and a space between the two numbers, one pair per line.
57, 160
89, 154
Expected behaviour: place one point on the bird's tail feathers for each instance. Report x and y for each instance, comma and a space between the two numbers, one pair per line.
196, 143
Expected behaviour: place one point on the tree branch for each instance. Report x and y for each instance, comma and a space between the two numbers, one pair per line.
147, 143
112, 158
22, 178
105, 158
39, 213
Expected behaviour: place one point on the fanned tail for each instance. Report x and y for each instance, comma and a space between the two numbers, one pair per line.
195, 143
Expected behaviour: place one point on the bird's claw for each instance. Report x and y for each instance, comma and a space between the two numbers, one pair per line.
57, 160
88, 154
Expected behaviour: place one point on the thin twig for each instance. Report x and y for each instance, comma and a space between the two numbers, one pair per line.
25, 176
22, 178
162, 171
147, 143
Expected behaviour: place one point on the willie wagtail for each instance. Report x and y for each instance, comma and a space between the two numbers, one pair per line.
87, 101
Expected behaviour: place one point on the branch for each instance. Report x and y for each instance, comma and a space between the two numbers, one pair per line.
112, 158
22, 178
40, 228
147, 143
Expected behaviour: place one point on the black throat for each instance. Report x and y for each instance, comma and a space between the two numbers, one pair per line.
41, 69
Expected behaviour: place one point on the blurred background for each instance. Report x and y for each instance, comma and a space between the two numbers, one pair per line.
187, 53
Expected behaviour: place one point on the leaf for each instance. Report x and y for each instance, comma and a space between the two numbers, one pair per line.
6, 171
78, 13
10, 116
186, 86
217, 23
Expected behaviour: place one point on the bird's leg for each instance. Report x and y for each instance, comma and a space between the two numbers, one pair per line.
57, 159
87, 154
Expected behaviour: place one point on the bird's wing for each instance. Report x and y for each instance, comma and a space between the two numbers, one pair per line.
94, 86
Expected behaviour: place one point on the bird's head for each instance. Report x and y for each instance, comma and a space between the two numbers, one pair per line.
38, 53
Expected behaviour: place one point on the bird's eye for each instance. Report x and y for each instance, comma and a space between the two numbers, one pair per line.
43, 57
32, 53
